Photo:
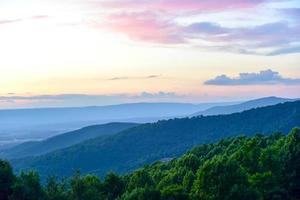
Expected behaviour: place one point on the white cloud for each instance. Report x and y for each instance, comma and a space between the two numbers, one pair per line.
264, 77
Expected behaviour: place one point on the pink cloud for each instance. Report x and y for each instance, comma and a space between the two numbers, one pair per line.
144, 20
182, 5
153, 21
153, 27
145, 26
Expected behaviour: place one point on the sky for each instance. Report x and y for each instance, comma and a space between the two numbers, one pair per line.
100, 52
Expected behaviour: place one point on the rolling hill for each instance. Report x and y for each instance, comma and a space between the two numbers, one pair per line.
229, 109
21, 125
146, 143
258, 167
64, 140
113, 112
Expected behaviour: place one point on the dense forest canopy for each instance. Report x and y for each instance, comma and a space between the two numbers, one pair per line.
258, 167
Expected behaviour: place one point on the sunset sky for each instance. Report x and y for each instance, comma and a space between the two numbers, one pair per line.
89, 52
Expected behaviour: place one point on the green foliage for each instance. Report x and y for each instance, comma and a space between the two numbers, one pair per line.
139, 179
85, 188
291, 163
142, 194
218, 178
188, 180
259, 167
6, 180
56, 190
113, 186
174, 192
27, 187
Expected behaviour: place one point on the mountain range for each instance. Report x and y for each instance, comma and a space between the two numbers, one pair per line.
143, 144
21, 125
33, 148
64, 140
229, 109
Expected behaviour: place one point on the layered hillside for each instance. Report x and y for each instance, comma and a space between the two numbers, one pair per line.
146, 143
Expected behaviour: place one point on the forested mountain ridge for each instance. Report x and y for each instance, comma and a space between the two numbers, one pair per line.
22, 125
241, 168
229, 109
64, 140
40, 116
146, 143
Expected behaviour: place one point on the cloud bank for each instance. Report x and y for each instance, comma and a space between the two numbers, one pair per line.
156, 21
180, 5
264, 77
70, 100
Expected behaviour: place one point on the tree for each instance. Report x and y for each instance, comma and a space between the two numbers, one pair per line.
174, 192
248, 155
190, 161
92, 188
113, 186
140, 178
77, 186
188, 180
6, 180
291, 166
263, 184
219, 179
260, 167
142, 194
56, 190
27, 187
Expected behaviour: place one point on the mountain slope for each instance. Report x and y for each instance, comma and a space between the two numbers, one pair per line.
21, 125
259, 167
169, 138
64, 140
113, 112
229, 109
